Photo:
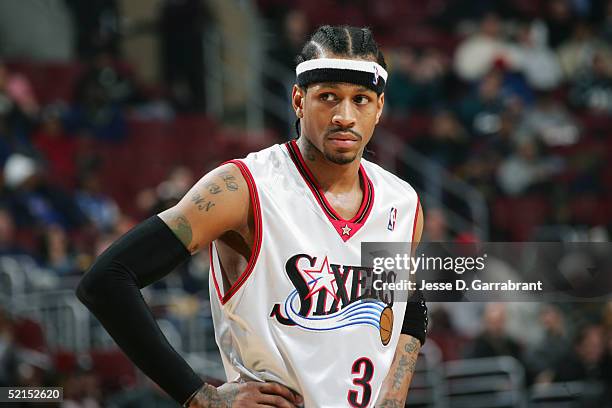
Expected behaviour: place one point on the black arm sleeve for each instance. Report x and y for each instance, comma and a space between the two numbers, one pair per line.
111, 290
415, 317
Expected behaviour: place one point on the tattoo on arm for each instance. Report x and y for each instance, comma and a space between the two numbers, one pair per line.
412, 345
230, 181
406, 364
213, 188
182, 229
201, 202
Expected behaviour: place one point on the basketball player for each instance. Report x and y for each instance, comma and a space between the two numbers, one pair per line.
296, 317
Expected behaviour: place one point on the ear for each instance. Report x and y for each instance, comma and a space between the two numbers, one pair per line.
379, 108
297, 100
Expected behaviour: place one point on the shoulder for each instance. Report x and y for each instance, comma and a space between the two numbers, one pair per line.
385, 179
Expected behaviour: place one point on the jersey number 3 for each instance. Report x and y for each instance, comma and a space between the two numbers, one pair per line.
364, 369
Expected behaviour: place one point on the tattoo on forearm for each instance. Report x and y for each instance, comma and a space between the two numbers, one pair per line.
201, 202
400, 372
406, 363
182, 229
412, 345
387, 403
230, 181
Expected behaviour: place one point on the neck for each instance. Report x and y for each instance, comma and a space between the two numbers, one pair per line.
331, 177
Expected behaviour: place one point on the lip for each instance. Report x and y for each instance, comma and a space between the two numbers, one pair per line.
344, 137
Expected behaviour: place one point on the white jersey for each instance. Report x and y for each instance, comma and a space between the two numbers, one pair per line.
304, 313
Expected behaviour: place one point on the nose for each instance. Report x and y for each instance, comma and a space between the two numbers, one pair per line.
345, 115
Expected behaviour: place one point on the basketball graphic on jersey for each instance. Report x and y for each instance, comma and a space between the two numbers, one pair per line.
386, 325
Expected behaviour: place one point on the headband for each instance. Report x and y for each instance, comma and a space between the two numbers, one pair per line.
367, 73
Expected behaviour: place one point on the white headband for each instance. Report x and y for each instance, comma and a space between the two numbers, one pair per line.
333, 63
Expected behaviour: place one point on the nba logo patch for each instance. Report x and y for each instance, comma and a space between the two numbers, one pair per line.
392, 218
375, 80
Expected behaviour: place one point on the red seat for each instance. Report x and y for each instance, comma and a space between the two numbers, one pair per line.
30, 334
113, 368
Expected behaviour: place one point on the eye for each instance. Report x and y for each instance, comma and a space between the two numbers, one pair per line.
361, 99
327, 97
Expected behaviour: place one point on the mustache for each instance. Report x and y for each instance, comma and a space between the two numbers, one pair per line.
336, 129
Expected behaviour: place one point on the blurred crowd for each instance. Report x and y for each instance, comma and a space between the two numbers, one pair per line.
513, 97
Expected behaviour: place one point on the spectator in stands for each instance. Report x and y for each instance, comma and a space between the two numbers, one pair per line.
182, 26
82, 390
549, 122
97, 26
35, 200
528, 170
481, 110
494, 340
559, 20
444, 334
418, 80
585, 361
478, 53
95, 112
99, 208
19, 89
447, 142
436, 228
576, 54
18, 110
58, 148
535, 59
548, 352
606, 31
8, 245
55, 251
592, 89
8, 358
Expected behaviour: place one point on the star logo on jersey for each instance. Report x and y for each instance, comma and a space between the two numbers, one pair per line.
322, 279
346, 230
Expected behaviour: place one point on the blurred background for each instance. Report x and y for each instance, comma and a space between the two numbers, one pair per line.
497, 112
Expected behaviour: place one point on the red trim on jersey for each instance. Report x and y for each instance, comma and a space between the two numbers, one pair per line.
248, 177
367, 202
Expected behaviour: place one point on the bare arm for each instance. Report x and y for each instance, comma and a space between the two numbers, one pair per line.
217, 203
397, 382
395, 387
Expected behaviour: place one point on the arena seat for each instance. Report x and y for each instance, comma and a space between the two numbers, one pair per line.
52, 81
520, 215
485, 383
29, 334
566, 395
113, 368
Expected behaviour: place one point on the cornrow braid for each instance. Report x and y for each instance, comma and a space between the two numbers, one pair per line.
335, 40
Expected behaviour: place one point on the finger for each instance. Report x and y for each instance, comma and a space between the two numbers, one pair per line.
277, 389
275, 401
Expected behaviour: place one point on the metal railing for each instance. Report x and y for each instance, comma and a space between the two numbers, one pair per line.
434, 174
